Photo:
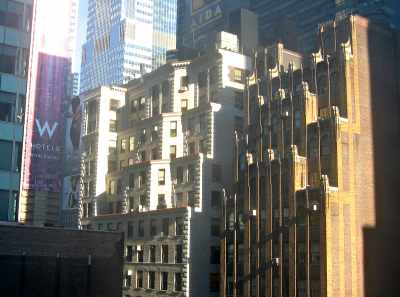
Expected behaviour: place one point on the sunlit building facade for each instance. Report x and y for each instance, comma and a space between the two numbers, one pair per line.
15, 25
166, 174
314, 207
125, 39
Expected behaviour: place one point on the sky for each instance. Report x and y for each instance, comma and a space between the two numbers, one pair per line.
81, 35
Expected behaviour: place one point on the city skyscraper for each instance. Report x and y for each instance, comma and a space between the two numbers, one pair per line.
126, 38
314, 207
15, 25
199, 21
305, 16
48, 89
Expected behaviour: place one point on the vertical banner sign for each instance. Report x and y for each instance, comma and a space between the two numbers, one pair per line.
49, 68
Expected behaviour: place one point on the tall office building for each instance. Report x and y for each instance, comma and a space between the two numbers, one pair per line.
167, 164
15, 28
303, 17
48, 90
314, 207
199, 21
126, 38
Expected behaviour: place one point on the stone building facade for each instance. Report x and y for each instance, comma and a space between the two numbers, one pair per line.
164, 181
316, 168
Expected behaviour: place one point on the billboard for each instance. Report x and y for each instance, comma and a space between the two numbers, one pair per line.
210, 13
49, 68
197, 4
44, 146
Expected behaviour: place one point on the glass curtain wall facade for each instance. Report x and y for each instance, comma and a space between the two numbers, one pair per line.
15, 28
305, 16
126, 38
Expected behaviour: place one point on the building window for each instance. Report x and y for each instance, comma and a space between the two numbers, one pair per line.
152, 279
161, 176
154, 154
164, 253
143, 200
142, 156
179, 254
216, 173
297, 119
179, 175
131, 203
172, 152
161, 201
237, 74
192, 148
214, 282
214, 255
153, 227
131, 143
216, 199
130, 230
139, 279
131, 162
203, 146
129, 253
113, 126
114, 105
139, 253
165, 226
179, 226
100, 227
142, 179
184, 105
239, 100
192, 199
123, 145
141, 228
191, 174
164, 280
178, 281
173, 128
325, 145
215, 227
128, 279
184, 82
152, 254
6, 149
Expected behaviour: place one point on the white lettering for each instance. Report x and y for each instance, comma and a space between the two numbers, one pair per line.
46, 127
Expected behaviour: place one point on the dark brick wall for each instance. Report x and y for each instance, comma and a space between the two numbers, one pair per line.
40, 262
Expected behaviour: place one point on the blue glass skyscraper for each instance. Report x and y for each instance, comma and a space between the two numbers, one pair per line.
126, 38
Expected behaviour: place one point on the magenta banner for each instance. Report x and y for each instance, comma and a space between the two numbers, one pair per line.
45, 131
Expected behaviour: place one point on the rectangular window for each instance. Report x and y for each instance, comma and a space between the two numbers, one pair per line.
113, 126
123, 145
152, 254
114, 104
130, 230
152, 279
173, 128
179, 226
131, 181
184, 82
6, 111
179, 253
216, 199
164, 281
129, 253
100, 227
140, 253
142, 179
172, 152
215, 227
192, 199
239, 100
131, 143
8, 58
141, 228
192, 148
178, 281
216, 173
161, 201
203, 146
128, 279
214, 282
184, 105
179, 175
165, 226
143, 200
161, 176
154, 154
139, 279
214, 255
6, 149
191, 174
164, 253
